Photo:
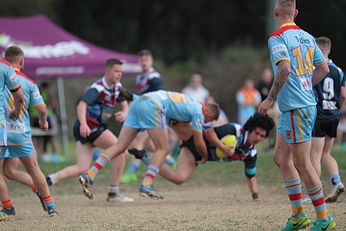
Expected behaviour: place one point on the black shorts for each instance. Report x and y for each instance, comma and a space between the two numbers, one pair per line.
95, 133
324, 128
190, 144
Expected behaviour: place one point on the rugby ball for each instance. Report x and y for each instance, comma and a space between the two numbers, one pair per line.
229, 140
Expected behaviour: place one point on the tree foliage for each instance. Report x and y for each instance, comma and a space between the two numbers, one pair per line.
180, 30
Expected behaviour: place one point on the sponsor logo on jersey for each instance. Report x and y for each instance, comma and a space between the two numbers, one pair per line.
279, 49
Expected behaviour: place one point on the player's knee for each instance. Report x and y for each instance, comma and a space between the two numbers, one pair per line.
301, 166
249, 176
282, 163
250, 172
179, 181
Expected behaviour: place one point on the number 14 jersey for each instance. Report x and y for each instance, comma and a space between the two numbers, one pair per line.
290, 43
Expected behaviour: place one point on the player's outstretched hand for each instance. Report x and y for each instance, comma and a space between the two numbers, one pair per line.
44, 125
84, 130
255, 196
120, 116
13, 115
265, 106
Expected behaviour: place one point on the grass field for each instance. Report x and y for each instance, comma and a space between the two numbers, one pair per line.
215, 198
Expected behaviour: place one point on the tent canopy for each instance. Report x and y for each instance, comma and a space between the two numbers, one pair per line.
52, 52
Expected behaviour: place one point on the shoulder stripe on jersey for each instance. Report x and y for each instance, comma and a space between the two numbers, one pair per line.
317, 64
153, 75
283, 29
98, 87
21, 74
5, 62
237, 128
282, 59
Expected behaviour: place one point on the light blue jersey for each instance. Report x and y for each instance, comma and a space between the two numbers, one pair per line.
19, 131
8, 78
10, 81
156, 109
299, 48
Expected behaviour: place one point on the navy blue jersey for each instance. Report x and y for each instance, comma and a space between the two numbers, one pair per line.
241, 152
328, 93
101, 100
148, 82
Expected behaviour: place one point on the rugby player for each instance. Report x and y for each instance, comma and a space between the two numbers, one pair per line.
8, 79
94, 110
153, 111
294, 53
19, 137
148, 80
331, 96
256, 128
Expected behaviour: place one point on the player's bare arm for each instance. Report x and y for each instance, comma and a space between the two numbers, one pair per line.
319, 73
200, 146
280, 80
42, 114
18, 102
211, 136
121, 115
81, 113
342, 98
282, 74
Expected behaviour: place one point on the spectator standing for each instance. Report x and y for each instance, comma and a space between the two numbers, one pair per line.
248, 98
195, 89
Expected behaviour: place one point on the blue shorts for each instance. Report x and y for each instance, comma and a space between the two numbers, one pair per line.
3, 134
296, 125
145, 113
17, 151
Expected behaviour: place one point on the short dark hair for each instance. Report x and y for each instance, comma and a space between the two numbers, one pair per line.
111, 62
324, 42
213, 109
258, 120
12, 53
145, 52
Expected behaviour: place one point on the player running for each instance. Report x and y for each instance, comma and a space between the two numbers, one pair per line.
254, 131
148, 80
19, 137
294, 53
153, 111
331, 96
10, 81
94, 110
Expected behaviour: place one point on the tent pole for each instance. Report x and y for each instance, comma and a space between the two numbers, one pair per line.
63, 116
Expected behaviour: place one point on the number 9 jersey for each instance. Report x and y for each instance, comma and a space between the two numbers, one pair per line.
328, 93
290, 43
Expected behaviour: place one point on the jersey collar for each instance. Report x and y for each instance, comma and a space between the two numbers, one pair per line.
288, 24
246, 134
104, 82
150, 70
